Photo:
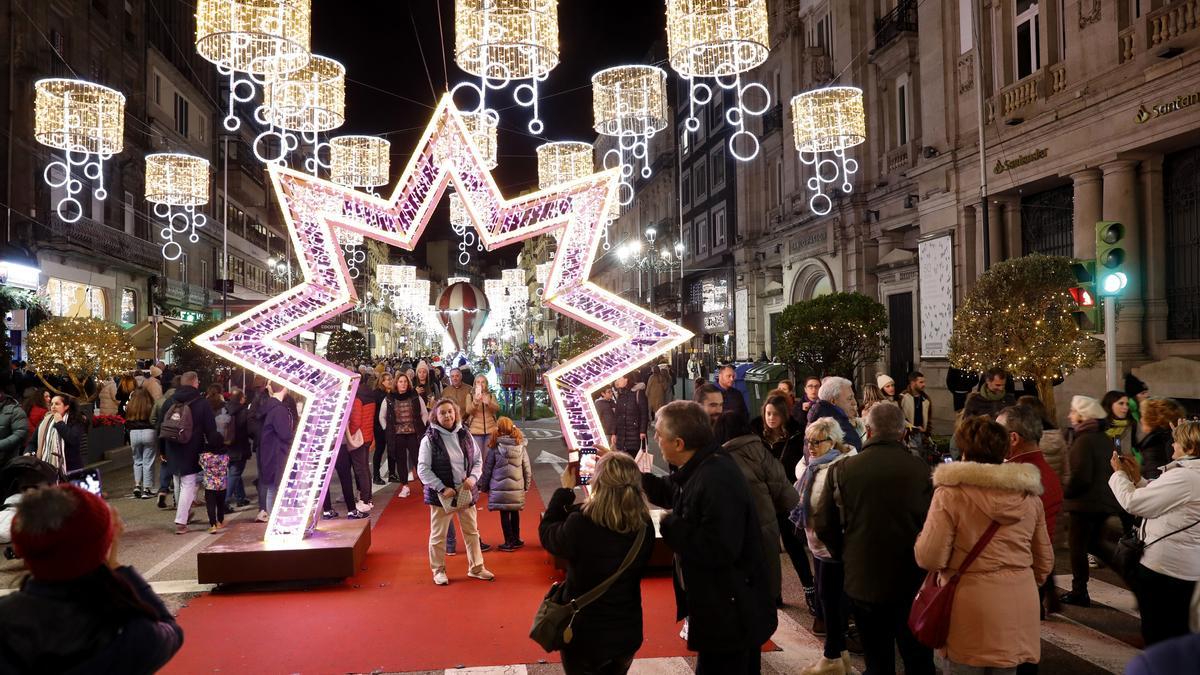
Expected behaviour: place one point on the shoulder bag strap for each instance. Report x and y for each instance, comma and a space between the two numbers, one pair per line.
587, 598
1188, 527
979, 545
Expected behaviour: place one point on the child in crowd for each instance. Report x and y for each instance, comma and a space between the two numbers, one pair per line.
215, 466
506, 479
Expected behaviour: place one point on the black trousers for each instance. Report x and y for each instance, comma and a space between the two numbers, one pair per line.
745, 662
362, 472
214, 503
831, 578
797, 549
883, 627
378, 449
510, 524
1086, 536
405, 447
1164, 603
341, 464
575, 662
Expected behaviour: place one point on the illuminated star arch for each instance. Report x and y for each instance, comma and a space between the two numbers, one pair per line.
313, 208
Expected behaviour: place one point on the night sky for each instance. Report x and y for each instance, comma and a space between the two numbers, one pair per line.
388, 88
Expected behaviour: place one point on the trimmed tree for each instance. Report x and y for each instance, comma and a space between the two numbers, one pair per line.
78, 351
186, 355
347, 348
580, 339
835, 334
1018, 317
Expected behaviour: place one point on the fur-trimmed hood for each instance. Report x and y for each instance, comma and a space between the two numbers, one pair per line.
997, 489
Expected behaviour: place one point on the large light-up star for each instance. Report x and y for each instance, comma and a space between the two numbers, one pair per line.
259, 339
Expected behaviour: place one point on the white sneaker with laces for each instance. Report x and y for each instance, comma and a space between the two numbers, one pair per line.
404, 492
483, 575
440, 578
263, 517
363, 507
684, 632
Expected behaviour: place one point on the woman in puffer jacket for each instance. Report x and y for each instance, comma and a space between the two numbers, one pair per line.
506, 479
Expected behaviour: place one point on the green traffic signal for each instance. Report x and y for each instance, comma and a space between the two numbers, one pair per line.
1110, 257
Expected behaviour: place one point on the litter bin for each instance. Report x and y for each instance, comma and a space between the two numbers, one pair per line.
760, 380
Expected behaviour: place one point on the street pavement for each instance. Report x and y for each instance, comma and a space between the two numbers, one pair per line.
1092, 641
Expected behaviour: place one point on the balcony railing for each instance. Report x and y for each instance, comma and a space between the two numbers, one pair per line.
1125, 44
90, 236
1167, 23
1022, 93
902, 19
181, 293
772, 120
899, 159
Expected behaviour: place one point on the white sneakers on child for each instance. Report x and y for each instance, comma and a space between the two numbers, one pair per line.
263, 517
440, 578
404, 493
684, 632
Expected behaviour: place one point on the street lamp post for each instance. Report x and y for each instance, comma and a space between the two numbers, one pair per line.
649, 258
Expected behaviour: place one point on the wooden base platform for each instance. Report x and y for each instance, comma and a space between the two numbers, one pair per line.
335, 550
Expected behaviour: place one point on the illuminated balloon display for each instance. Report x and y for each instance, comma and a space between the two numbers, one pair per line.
462, 309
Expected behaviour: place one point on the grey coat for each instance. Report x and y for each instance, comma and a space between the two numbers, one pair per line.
506, 476
14, 428
772, 495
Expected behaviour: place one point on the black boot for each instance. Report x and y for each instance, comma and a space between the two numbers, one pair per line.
377, 479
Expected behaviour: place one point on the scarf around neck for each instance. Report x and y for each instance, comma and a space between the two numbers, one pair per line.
803, 511
989, 396
1086, 426
1116, 427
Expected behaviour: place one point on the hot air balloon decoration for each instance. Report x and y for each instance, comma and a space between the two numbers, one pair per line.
462, 309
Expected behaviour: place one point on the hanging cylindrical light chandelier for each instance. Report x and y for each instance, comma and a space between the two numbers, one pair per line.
307, 102
502, 41
825, 122
720, 40
562, 162
176, 184
87, 122
482, 129
259, 38
359, 161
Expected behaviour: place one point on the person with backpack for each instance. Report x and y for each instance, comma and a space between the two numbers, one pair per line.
236, 435
165, 473
188, 427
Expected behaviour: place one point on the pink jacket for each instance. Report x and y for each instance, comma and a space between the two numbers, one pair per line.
995, 619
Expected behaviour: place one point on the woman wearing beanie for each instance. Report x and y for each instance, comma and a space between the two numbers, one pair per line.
80, 610
1088, 499
886, 385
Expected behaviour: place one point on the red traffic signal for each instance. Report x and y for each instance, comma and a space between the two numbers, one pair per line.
1083, 297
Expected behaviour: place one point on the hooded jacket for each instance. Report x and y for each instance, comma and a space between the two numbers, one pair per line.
772, 495
1087, 490
507, 475
827, 409
995, 620
436, 463
633, 417
658, 388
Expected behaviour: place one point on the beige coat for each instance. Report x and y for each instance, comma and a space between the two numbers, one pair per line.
1054, 449
658, 389
153, 387
481, 417
108, 398
995, 618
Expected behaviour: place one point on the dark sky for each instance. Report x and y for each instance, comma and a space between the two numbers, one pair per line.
388, 86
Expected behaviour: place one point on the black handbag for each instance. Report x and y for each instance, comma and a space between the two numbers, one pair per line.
1132, 546
552, 622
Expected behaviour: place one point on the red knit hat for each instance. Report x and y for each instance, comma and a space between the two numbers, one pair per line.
78, 547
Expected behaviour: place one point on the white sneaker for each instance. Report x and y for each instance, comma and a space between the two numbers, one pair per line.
440, 578
483, 574
684, 632
1093, 562
263, 517
404, 492
410, 476
363, 507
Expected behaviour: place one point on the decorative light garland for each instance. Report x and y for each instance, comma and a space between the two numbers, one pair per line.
87, 122
720, 40
176, 184
506, 41
359, 161
256, 38
828, 120
461, 224
307, 101
313, 209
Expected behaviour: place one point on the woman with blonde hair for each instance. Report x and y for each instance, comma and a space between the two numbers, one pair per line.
480, 411
872, 394
1165, 578
506, 478
594, 539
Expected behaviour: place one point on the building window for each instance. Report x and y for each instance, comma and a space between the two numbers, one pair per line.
204, 281
820, 32
700, 177
1062, 30
685, 188
717, 109
1028, 36
1047, 222
71, 299
702, 236
181, 115
129, 313
902, 110
966, 26
718, 228
716, 164
183, 268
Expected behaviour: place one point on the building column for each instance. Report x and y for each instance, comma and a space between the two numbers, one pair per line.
996, 230
1012, 229
1154, 225
969, 254
1087, 206
1121, 205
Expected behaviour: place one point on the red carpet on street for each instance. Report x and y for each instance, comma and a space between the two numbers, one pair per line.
392, 618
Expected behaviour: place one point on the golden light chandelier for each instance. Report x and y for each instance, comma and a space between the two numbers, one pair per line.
359, 161
720, 40
502, 41
259, 38
176, 184
828, 120
87, 122
629, 103
305, 101
482, 128
563, 161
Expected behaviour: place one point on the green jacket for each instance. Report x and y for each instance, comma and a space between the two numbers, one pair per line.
14, 428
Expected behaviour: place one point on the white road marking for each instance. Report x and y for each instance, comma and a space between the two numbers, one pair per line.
489, 670
1106, 594
799, 646
539, 434
196, 542
1088, 644
159, 587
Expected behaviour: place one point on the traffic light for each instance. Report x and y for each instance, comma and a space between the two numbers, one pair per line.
1087, 311
1111, 277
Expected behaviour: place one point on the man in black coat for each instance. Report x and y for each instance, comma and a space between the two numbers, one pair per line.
632, 416
733, 401
871, 512
184, 458
720, 577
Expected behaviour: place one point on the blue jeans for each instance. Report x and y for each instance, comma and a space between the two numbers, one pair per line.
144, 443
269, 491
164, 478
237, 489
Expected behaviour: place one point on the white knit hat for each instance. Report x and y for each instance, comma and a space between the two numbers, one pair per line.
884, 380
1088, 408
